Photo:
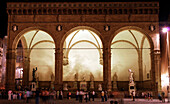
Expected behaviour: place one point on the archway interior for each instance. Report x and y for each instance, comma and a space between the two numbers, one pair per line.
38, 48
130, 50
82, 56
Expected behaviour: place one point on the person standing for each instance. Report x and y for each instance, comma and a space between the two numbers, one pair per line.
57, 95
81, 96
77, 95
69, 95
93, 95
163, 97
61, 95
105, 95
89, 95
102, 96
9, 94
37, 96
86, 94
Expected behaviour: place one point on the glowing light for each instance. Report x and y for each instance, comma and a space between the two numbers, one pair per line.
164, 80
166, 29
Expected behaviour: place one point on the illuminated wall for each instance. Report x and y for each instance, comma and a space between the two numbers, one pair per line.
41, 51
83, 49
130, 50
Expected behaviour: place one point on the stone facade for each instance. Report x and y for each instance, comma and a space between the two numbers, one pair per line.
95, 16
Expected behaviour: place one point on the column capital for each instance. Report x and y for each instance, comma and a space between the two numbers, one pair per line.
155, 52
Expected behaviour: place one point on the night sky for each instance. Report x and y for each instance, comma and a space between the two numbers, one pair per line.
164, 10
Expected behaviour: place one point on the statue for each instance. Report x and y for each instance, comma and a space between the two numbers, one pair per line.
115, 81
91, 81
76, 77
130, 76
132, 87
52, 81
83, 79
91, 77
75, 81
100, 87
33, 74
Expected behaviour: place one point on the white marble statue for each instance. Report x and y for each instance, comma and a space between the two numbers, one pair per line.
76, 77
115, 81
130, 76
52, 80
100, 87
91, 81
65, 87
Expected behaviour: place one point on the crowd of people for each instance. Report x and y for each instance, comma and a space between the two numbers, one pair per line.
46, 95
50, 95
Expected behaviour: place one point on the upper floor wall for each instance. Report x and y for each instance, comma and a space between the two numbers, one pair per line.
84, 12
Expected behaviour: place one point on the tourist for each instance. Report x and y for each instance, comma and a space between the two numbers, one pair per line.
80, 96
102, 96
159, 96
46, 95
89, 95
9, 94
28, 94
20, 95
51, 96
61, 95
163, 97
86, 96
148, 96
151, 96
25, 95
57, 95
105, 95
93, 95
69, 95
37, 95
77, 95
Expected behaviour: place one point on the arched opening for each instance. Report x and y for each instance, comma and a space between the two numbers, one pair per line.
131, 49
35, 49
82, 59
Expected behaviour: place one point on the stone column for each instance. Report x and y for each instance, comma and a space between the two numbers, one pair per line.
10, 69
153, 66
107, 68
58, 69
26, 68
140, 62
157, 69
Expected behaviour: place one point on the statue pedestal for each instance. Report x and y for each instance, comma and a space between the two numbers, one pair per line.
83, 85
92, 85
33, 86
114, 85
75, 85
132, 87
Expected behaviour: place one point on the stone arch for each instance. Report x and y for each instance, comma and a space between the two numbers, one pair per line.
140, 57
81, 27
133, 28
95, 41
18, 37
27, 50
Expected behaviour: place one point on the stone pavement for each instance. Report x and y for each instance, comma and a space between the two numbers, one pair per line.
73, 101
